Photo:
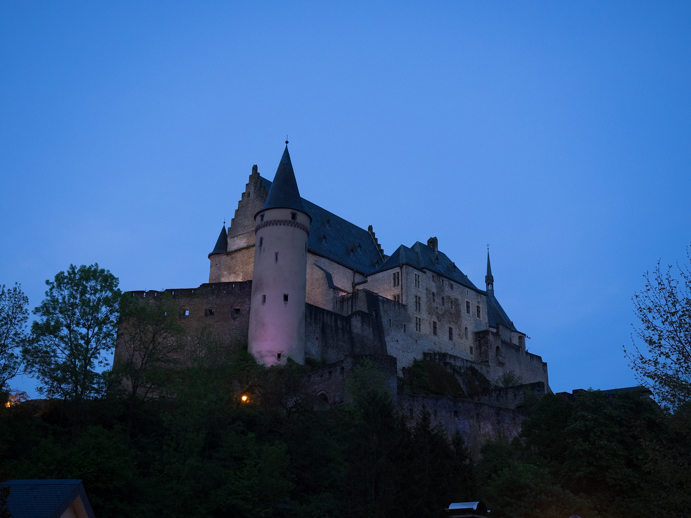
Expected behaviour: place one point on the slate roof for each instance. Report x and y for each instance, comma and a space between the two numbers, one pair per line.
284, 193
222, 243
423, 257
496, 314
337, 239
44, 498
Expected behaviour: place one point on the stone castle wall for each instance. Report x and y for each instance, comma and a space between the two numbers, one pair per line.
221, 308
475, 421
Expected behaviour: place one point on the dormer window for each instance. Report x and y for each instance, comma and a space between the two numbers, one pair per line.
327, 223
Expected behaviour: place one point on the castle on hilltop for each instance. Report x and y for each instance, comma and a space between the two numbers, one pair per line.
323, 288
292, 280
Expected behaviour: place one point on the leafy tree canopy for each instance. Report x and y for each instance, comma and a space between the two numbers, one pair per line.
13, 316
74, 332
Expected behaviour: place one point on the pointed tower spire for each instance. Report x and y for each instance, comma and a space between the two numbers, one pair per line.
489, 278
222, 242
284, 193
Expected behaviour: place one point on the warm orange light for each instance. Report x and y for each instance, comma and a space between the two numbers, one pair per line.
245, 399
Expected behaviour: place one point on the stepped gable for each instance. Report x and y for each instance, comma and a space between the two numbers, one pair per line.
423, 257
337, 239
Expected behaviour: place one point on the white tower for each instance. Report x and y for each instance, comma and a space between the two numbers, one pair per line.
277, 310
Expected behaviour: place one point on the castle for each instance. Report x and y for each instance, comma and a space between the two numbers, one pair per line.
293, 280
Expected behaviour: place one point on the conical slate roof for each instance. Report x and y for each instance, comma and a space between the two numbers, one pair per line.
284, 192
222, 243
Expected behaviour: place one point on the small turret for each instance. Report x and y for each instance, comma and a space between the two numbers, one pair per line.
489, 278
222, 242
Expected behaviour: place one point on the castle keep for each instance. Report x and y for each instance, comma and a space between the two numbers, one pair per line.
292, 280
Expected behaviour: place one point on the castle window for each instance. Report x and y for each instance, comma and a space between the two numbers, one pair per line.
396, 279
327, 223
434, 328
451, 285
404, 328
294, 216
467, 306
397, 298
278, 356
451, 334
417, 280
342, 371
521, 340
433, 278
455, 413
285, 297
276, 257
236, 312
418, 324
263, 299
442, 282
479, 312
442, 301
261, 218
471, 349
261, 242
418, 305
209, 312
434, 297
184, 312
466, 333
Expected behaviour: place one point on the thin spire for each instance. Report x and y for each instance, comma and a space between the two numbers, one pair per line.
489, 278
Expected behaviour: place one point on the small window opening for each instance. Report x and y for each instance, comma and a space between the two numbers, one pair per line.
285, 297
278, 356
261, 242
466, 333
451, 334
479, 312
261, 218
434, 328
471, 349
434, 297
185, 312
404, 328
442, 301
455, 413
236, 311
294, 216
342, 371
467, 307
209, 312
263, 299
276, 257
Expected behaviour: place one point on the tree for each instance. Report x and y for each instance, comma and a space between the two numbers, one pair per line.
13, 316
148, 345
75, 331
663, 360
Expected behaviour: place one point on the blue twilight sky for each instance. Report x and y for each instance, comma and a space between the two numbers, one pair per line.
557, 132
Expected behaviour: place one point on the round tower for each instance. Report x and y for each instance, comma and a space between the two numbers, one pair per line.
277, 310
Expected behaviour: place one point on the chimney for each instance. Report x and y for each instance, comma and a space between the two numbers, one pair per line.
433, 243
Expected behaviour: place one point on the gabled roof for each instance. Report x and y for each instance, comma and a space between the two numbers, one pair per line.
423, 257
496, 314
337, 239
284, 193
222, 243
45, 498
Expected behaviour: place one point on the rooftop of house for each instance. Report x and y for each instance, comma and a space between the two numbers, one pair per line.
45, 498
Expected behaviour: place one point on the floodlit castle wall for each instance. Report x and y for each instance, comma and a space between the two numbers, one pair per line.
237, 264
277, 320
326, 280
